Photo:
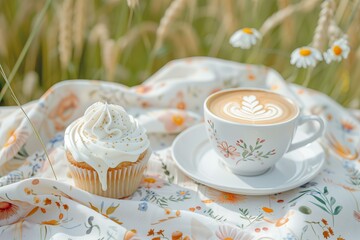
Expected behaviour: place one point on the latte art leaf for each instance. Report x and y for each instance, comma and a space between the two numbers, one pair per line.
251, 109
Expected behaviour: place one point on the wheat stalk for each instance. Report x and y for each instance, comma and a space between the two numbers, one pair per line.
325, 18
27, 117
30, 82
110, 54
280, 16
132, 3
287, 30
79, 26
3, 40
135, 34
65, 41
334, 31
99, 33
171, 13
189, 38
229, 18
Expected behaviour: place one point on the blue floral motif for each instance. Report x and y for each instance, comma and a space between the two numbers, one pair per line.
143, 206
59, 138
182, 194
349, 165
289, 236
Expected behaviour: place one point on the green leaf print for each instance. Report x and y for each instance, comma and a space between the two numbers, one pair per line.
337, 210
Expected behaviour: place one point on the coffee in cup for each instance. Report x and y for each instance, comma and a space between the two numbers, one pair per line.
251, 129
252, 107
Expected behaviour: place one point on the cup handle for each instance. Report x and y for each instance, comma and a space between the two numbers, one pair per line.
313, 137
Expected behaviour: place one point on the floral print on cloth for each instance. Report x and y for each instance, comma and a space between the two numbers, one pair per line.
168, 204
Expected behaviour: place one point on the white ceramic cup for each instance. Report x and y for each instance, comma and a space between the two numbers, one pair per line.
252, 149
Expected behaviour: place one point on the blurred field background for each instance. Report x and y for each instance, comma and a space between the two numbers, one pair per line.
126, 41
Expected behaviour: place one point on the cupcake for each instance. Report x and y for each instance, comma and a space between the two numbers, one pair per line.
107, 151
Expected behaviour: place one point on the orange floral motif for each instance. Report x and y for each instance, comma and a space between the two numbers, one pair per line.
151, 232
274, 87
176, 235
330, 231
36, 200
224, 197
16, 138
66, 207
51, 222
152, 182
64, 111
167, 211
47, 201
28, 191
142, 89
267, 210
347, 126
251, 77
129, 235
324, 221
175, 121
35, 182
280, 221
341, 149
301, 91
11, 138
160, 232
61, 216
326, 234
178, 101
178, 120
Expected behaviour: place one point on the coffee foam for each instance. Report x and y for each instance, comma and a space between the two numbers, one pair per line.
252, 107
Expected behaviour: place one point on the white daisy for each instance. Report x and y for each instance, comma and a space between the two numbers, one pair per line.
245, 38
226, 232
305, 56
339, 50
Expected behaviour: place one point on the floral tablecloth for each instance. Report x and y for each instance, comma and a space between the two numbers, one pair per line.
169, 205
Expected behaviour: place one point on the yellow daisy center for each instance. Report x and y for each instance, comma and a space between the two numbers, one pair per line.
247, 30
337, 50
228, 238
305, 52
178, 120
150, 180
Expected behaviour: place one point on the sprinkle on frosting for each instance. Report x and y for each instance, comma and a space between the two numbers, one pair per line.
104, 137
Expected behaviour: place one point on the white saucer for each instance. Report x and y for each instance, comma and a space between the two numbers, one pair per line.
193, 154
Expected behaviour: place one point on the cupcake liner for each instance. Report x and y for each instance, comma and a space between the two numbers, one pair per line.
121, 182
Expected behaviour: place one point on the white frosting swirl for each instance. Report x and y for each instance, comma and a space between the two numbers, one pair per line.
104, 137
251, 109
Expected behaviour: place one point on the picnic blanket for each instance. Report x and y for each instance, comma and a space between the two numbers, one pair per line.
168, 204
